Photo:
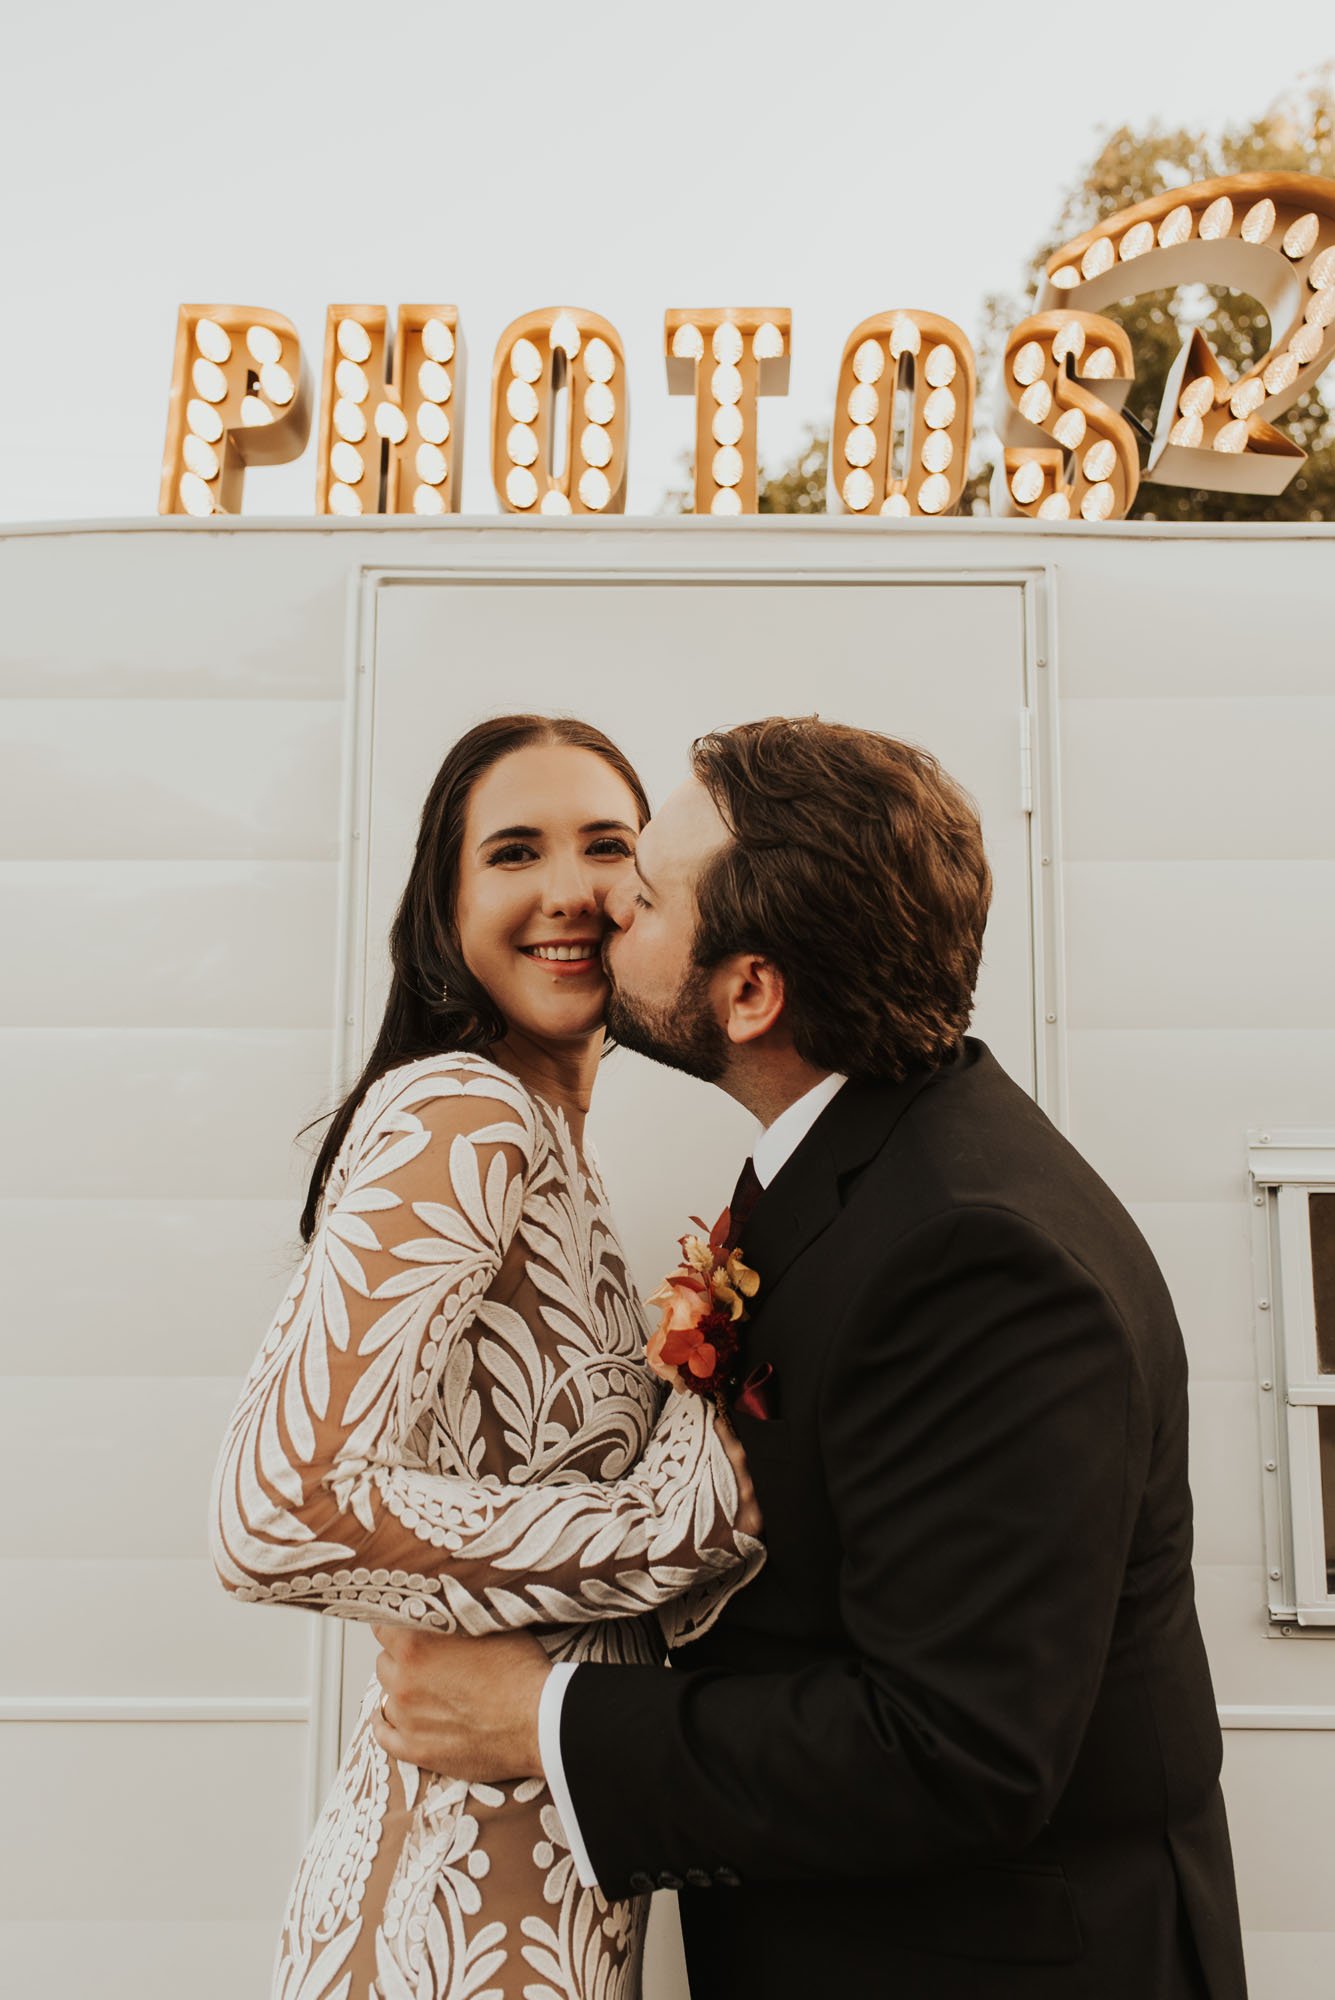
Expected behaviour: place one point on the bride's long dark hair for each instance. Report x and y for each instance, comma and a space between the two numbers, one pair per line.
434, 1000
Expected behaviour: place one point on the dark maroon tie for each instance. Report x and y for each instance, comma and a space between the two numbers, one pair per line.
756, 1394
744, 1198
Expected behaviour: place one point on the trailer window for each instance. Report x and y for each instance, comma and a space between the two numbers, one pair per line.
1293, 1189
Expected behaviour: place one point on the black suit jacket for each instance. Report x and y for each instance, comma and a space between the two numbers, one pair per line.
958, 1738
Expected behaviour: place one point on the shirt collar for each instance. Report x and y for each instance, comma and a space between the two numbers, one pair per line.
779, 1141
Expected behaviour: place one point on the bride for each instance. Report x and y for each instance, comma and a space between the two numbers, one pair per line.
451, 1422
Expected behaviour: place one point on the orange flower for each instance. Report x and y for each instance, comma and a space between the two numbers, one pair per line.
684, 1299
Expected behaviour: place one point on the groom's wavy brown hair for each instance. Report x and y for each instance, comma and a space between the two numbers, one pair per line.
856, 867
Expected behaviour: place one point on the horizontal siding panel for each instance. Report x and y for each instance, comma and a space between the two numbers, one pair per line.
1199, 780
1129, 610
129, 1961
122, 1822
109, 1287
246, 617
1163, 1114
109, 1468
1204, 1252
130, 1113
141, 1625
185, 944
1279, 1785
1253, 1665
1201, 944
1226, 1473
159, 780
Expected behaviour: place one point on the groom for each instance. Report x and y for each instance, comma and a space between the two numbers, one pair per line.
958, 1739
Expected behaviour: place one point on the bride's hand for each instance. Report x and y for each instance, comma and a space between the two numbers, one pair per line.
750, 1520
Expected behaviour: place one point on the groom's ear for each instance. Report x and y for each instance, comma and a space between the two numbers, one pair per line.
752, 995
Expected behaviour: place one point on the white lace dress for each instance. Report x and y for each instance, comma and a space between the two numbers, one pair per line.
450, 1423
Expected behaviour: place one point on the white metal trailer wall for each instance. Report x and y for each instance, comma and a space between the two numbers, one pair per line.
169, 809
170, 803
1197, 746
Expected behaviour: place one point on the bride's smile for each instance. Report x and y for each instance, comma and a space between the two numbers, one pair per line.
567, 955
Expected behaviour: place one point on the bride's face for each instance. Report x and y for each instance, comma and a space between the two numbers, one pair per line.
548, 832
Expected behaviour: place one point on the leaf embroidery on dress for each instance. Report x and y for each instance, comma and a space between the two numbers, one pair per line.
407, 1446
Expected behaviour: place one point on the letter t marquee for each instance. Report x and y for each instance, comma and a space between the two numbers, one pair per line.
726, 356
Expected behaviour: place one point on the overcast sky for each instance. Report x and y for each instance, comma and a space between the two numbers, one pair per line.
838, 159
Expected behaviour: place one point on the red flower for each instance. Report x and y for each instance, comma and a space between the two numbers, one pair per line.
686, 1347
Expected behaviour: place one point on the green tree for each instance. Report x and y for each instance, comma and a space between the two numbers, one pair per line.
1295, 135
799, 486
795, 488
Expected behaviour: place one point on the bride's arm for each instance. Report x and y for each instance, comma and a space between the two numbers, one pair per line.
313, 1502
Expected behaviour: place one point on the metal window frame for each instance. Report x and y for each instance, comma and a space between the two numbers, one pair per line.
1286, 1166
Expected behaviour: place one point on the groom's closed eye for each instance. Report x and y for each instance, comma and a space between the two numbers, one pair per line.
641, 902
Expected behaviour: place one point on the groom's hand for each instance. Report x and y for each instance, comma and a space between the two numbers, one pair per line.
462, 1706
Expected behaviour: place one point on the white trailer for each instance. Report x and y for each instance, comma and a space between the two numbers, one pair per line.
216, 740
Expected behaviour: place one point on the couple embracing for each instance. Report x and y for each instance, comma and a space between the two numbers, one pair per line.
886, 1657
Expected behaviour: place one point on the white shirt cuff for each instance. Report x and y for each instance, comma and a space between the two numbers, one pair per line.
549, 1749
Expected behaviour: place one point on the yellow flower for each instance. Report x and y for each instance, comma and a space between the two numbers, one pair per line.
734, 1283
698, 1254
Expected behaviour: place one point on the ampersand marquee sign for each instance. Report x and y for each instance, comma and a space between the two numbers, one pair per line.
390, 429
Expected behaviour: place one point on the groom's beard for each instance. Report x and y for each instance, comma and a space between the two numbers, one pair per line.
684, 1035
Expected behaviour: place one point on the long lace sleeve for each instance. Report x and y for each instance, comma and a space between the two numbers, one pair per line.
317, 1500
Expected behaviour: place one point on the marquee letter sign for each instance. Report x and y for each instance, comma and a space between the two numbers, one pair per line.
1066, 376
559, 414
387, 442
903, 417
726, 356
391, 434
1271, 235
239, 397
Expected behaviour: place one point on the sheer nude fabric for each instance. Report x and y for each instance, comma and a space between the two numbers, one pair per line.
450, 1423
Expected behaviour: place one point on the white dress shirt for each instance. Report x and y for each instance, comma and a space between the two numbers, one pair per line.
774, 1147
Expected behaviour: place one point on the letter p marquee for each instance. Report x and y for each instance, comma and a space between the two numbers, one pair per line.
240, 396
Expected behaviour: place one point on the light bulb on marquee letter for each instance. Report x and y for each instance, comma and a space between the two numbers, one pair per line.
1065, 376
1271, 236
240, 396
726, 356
559, 414
903, 418
390, 440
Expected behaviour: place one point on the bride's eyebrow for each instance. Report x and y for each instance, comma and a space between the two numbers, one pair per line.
535, 832
511, 833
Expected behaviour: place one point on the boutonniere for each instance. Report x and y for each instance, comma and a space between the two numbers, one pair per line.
694, 1347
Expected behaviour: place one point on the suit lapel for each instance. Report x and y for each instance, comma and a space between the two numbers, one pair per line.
809, 1190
